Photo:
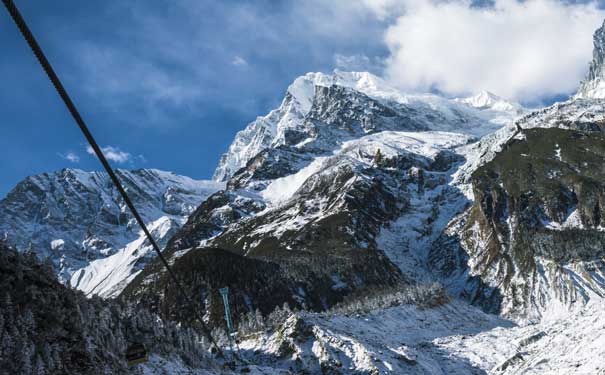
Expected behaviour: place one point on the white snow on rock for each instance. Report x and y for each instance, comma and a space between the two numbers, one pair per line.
390, 143
77, 220
452, 339
485, 100
452, 115
283, 188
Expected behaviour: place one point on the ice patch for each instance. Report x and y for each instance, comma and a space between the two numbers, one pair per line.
57, 244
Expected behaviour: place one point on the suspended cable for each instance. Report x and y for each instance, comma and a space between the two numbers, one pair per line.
33, 44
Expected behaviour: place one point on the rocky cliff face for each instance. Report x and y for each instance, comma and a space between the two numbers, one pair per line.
593, 87
339, 169
77, 220
535, 235
359, 101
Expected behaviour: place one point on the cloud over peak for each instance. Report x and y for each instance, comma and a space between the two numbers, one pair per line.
521, 50
113, 154
70, 156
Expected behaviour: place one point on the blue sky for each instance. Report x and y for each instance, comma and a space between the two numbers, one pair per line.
167, 84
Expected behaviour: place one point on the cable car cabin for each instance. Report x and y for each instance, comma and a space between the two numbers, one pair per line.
136, 353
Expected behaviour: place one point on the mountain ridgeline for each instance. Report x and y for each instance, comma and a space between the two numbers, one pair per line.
77, 221
348, 188
303, 220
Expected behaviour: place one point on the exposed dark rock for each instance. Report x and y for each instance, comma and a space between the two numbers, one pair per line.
538, 208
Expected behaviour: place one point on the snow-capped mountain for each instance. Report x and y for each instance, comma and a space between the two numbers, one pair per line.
77, 220
593, 87
487, 101
501, 205
346, 202
289, 124
339, 187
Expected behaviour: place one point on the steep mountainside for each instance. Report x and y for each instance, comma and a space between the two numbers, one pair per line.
593, 87
535, 234
77, 220
46, 328
334, 190
356, 103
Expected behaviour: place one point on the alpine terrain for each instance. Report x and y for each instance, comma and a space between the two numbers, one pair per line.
360, 230
77, 220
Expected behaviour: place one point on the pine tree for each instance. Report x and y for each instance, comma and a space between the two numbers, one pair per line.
378, 157
47, 357
25, 359
420, 181
215, 310
39, 368
1, 323
28, 322
7, 304
7, 346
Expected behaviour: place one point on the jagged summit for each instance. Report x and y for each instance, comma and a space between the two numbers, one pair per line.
274, 128
313, 101
486, 100
364, 82
593, 86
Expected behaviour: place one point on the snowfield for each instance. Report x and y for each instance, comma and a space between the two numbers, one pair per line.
452, 339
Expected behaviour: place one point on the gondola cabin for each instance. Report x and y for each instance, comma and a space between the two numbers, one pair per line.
136, 353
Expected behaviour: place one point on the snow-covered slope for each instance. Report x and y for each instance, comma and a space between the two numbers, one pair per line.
346, 171
77, 221
452, 339
288, 125
485, 100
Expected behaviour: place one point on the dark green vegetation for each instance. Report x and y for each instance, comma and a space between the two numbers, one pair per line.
544, 179
46, 328
254, 284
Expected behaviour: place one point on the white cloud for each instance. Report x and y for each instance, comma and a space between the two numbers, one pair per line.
71, 156
384, 8
112, 153
521, 50
239, 61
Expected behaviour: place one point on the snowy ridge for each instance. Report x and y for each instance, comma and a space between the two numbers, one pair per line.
485, 100
77, 220
362, 151
272, 129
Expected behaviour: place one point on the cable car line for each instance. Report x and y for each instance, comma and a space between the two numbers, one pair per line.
48, 69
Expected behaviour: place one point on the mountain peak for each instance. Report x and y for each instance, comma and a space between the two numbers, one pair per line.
486, 100
290, 124
593, 86
303, 87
